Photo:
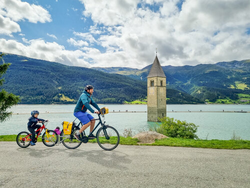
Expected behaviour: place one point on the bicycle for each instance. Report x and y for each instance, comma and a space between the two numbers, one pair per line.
107, 136
49, 137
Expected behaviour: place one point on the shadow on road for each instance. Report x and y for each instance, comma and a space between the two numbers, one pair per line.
110, 159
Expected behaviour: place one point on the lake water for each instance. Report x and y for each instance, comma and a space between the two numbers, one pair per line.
214, 121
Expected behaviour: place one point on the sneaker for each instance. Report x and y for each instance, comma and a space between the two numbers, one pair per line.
32, 143
77, 136
91, 136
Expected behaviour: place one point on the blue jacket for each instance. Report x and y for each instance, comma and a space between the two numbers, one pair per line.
33, 121
83, 103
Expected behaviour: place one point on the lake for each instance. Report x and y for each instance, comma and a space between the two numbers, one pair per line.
214, 121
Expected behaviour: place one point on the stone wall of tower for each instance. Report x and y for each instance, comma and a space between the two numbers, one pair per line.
156, 93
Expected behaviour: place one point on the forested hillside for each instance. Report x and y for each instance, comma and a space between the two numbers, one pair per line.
38, 81
223, 82
43, 82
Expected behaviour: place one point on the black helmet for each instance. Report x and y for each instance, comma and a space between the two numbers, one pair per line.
88, 87
34, 112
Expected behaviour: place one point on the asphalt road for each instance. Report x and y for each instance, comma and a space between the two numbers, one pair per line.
126, 166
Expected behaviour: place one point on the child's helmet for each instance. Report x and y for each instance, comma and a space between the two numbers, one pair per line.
34, 112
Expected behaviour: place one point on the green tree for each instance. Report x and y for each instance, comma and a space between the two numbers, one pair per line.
6, 99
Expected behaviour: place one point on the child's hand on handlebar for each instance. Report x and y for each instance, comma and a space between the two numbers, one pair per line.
97, 112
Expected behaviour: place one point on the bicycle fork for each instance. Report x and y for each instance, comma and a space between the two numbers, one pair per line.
105, 133
47, 134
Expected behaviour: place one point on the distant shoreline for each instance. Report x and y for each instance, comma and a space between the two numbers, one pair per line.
128, 111
138, 104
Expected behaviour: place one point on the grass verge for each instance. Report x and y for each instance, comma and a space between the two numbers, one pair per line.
216, 144
175, 142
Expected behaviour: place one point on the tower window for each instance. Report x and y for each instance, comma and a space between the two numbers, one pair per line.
152, 83
161, 83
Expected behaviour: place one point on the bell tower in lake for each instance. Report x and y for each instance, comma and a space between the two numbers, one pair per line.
156, 92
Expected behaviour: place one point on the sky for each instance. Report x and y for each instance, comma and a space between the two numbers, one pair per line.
126, 33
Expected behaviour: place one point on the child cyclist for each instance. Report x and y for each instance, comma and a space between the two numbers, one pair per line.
32, 125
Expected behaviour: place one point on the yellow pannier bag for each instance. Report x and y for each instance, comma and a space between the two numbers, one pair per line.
67, 127
104, 110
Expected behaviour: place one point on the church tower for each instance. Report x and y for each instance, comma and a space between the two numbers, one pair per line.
157, 94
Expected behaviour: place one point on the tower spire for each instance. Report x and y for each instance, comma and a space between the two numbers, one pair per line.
156, 69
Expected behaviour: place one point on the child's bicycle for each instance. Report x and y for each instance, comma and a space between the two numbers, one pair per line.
49, 137
107, 137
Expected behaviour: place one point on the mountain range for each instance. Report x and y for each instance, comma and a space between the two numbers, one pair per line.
43, 82
223, 82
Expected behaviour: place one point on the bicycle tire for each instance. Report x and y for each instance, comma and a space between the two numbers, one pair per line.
69, 141
108, 138
51, 139
21, 141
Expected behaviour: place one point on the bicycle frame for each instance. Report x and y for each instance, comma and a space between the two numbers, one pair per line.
39, 132
80, 124
100, 122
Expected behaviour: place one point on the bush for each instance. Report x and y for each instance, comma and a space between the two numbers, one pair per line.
177, 129
127, 133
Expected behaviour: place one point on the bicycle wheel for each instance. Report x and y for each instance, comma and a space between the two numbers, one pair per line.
50, 138
23, 139
108, 138
69, 141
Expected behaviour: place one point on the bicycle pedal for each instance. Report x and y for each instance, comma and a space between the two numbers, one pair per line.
84, 139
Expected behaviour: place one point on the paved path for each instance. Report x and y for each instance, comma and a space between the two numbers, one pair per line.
126, 166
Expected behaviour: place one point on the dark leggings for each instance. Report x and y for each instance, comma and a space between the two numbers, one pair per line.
32, 130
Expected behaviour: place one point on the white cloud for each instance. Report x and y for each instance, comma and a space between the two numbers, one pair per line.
127, 32
12, 11
87, 36
25, 40
77, 43
7, 26
209, 16
52, 36
169, 8
230, 47
109, 59
201, 32
17, 10
39, 49
95, 30
109, 13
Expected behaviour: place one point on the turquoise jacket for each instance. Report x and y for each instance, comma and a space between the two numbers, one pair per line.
83, 103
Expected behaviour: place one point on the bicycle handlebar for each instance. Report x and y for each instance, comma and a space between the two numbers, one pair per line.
45, 122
